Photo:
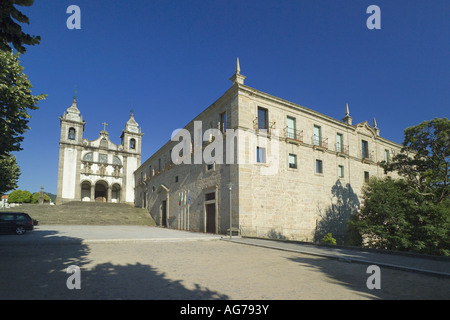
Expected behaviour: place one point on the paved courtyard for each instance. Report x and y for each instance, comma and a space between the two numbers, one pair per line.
183, 265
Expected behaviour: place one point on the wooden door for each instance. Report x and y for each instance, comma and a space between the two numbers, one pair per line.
211, 218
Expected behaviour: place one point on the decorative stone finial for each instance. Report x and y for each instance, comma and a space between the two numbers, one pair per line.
347, 119
238, 77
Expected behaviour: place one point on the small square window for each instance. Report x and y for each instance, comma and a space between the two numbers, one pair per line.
210, 167
292, 161
319, 166
260, 155
340, 171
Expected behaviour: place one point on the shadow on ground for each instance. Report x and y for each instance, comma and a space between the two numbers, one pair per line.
38, 270
395, 284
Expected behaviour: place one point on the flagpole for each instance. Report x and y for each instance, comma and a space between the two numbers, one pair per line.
189, 204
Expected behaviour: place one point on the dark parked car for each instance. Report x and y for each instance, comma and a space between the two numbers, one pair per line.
17, 222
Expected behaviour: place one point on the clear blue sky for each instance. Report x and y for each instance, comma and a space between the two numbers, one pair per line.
169, 60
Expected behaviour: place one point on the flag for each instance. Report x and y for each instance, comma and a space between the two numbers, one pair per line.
189, 197
185, 198
179, 198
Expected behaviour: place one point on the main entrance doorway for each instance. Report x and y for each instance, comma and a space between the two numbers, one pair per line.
101, 193
164, 213
211, 218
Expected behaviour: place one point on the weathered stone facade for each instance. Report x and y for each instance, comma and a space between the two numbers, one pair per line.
295, 173
97, 170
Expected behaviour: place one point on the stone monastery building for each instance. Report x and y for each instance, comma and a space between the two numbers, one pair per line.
295, 173
281, 170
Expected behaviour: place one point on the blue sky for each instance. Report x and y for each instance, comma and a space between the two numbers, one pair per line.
169, 60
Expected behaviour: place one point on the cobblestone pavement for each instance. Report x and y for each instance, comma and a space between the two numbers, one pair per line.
186, 268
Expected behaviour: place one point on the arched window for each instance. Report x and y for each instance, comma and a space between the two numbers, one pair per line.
71, 134
132, 144
116, 160
87, 156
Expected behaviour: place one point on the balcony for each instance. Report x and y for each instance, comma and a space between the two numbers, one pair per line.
292, 135
319, 143
367, 156
342, 150
263, 127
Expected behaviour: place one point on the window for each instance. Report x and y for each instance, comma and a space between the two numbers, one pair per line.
132, 144
159, 164
340, 171
263, 123
223, 122
319, 166
260, 155
317, 137
116, 160
386, 156
290, 128
210, 196
87, 156
209, 166
366, 176
176, 179
339, 142
103, 158
365, 149
292, 161
71, 134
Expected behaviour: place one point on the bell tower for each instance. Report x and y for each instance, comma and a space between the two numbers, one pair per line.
70, 148
131, 143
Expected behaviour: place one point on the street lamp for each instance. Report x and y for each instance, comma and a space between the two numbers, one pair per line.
230, 187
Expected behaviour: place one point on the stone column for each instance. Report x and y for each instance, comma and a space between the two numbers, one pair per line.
92, 192
109, 193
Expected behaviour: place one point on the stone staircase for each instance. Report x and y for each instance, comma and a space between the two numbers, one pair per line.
86, 213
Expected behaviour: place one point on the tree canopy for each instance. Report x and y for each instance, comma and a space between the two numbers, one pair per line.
16, 100
425, 159
9, 173
10, 29
19, 196
411, 213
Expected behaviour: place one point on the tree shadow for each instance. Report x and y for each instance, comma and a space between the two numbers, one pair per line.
273, 234
36, 268
333, 219
394, 284
138, 281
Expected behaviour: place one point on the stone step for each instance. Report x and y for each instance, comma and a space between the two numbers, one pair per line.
87, 213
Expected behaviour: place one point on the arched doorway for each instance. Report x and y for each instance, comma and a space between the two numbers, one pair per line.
85, 191
101, 191
115, 193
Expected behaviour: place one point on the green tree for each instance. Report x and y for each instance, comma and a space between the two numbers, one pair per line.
19, 196
424, 160
15, 101
10, 30
412, 213
9, 173
395, 217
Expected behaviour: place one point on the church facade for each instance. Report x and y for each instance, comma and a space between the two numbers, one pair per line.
280, 170
96, 170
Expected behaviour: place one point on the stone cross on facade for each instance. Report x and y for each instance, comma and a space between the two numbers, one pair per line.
104, 126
